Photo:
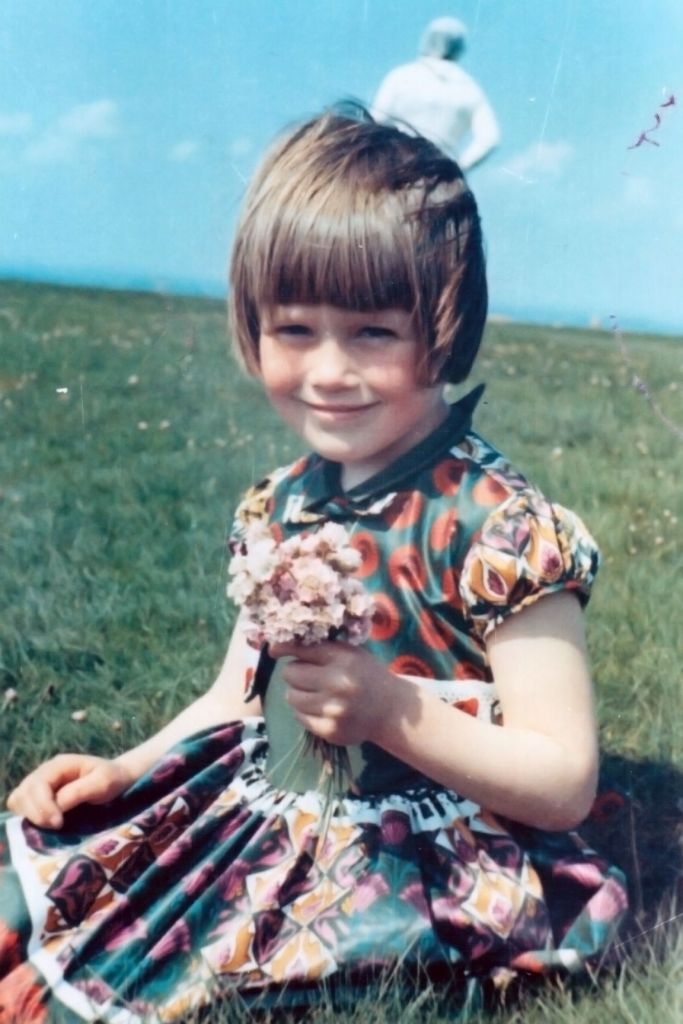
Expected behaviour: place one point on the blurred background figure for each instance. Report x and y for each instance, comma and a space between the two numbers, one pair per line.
434, 97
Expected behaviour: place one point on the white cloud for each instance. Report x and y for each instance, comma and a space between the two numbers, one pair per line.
183, 151
15, 124
63, 140
98, 120
539, 160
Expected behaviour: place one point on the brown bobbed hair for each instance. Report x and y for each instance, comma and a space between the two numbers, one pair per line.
362, 216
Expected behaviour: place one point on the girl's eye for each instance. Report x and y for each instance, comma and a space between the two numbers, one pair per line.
377, 332
294, 331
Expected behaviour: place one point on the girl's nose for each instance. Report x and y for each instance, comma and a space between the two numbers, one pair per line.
331, 366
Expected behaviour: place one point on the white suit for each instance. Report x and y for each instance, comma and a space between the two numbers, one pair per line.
434, 97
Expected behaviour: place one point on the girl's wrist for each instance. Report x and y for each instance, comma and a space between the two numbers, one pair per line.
129, 767
398, 703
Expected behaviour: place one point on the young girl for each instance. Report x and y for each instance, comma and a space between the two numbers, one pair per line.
182, 871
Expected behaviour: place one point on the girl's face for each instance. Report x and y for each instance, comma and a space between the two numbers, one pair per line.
346, 382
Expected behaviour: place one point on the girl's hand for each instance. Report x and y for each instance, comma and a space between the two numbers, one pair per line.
62, 783
337, 691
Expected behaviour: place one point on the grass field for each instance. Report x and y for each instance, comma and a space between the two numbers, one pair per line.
127, 435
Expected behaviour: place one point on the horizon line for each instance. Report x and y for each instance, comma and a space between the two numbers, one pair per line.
212, 288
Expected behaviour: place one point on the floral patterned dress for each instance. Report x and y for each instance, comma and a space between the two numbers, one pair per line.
210, 876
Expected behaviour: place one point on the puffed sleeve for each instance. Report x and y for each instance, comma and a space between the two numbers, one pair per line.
526, 548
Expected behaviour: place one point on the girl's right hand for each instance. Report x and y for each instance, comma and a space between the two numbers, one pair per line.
65, 781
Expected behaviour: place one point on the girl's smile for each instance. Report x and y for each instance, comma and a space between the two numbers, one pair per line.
347, 383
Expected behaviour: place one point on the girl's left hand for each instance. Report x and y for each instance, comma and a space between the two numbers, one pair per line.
337, 691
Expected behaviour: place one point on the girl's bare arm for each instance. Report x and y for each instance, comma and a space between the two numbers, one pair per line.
540, 768
222, 702
67, 780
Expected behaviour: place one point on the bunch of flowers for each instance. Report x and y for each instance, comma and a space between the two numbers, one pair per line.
300, 589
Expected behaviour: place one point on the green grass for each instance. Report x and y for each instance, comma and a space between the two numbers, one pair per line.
114, 502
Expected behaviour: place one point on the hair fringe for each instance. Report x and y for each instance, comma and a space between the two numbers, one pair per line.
361, 216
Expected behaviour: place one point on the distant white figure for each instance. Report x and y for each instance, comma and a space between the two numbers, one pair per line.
436, 98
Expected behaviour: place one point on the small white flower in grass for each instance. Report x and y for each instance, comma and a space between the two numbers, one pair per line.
81, 715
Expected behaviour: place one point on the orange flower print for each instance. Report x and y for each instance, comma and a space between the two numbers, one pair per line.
434, 632
385, 618
443, 529
366, 545
470, 706
22, 997
405, 511
10, 949
448, 475
607, 806
449, 590
406, 568
411, 665
489, 491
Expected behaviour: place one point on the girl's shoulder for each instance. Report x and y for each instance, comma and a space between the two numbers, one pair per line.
484, 459
520, 545
475, 477
261, 501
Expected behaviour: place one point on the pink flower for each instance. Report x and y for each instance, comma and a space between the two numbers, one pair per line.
300, 589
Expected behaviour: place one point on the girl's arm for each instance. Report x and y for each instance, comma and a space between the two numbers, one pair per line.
539, 768
222, 702
67, 780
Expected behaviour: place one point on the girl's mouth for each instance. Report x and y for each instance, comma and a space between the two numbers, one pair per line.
332, 409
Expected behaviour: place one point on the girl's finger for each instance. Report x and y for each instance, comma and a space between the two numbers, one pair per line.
73, 793
302, 676
314, 654
38, 805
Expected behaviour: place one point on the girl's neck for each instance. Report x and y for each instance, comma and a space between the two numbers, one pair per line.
354, 472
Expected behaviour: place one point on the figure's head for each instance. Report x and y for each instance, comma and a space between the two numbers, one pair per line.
443, 38
358, 215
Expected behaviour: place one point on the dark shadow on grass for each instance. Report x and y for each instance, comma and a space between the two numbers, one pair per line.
637, 824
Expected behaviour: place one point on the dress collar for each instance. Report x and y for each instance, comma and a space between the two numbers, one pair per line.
322, 489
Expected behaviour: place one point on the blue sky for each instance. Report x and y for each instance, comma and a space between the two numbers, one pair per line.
129, 127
